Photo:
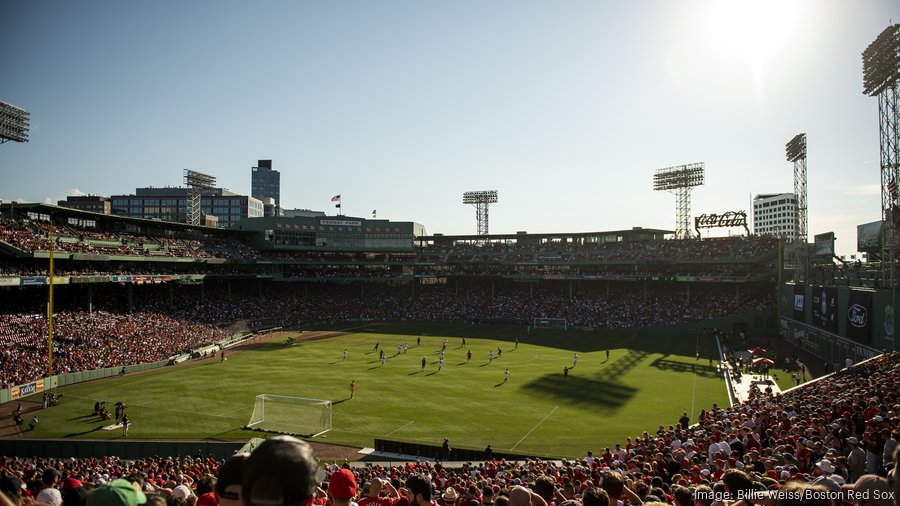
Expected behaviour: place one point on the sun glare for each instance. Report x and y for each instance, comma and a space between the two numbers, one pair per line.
734, 42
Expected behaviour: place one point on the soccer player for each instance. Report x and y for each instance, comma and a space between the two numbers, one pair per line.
574, 360
418, 341
376, 347
517, 344
423, 363
440, 363
352, 388
442, 354
468, 355
607, 355
505, 375
445, 344
125, 423
491, 356
382, 359
405, 347
345, 354
463, 345
399, 349
499, 352
566, 372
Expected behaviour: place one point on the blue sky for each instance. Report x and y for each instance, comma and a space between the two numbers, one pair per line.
565, 108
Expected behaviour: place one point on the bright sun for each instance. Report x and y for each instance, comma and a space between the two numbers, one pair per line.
750, 30
733, 43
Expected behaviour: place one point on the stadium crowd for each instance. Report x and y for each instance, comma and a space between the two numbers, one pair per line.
160, 323
84, 341
835, 436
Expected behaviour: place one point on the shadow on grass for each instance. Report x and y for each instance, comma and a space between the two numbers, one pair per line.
417, 372
603, 389
76, 434
581, 390
674, 366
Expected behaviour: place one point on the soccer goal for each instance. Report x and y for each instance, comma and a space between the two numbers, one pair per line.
550, 323
291, 415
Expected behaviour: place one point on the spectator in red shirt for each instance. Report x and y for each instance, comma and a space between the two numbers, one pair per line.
376, 486
342, 487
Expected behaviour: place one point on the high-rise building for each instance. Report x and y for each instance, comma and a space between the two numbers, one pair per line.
265, 184
775, 214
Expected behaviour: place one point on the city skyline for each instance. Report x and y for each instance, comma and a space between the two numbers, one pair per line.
565, 109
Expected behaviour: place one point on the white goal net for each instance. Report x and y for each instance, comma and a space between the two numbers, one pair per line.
550, 323
291, 415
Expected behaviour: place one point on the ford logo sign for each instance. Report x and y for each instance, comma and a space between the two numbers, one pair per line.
858, 316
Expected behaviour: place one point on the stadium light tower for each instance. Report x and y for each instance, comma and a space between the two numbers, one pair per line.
679, 180
795, 150
14, 123
196, 183
881, 74
481, 200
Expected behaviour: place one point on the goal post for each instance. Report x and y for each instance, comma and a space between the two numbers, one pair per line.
291, 415
550, 323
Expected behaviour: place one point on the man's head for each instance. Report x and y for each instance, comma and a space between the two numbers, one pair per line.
50, 477
228, 485
12, 488
342, 486
737, 481
683, 496
280, 472
420, 487
544, 486
613, 485
116, 493
449, 497
595, 496
520, 496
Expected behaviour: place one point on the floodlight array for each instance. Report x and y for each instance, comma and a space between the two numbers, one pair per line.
480, 197
881, 62
14, 123
194, 179
796, 148
680, 176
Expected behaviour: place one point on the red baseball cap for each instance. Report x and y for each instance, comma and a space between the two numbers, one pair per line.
342, 484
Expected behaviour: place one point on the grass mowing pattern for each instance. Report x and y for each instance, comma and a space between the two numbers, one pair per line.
648, 380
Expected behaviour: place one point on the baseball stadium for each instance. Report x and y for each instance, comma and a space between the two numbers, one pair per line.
190, 346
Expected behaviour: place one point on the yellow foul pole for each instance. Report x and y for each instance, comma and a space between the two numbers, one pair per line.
50, 312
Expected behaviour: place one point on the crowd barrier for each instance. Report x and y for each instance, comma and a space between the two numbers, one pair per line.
436, 452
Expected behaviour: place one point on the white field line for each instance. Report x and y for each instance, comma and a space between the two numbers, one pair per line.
398, 428
535, 427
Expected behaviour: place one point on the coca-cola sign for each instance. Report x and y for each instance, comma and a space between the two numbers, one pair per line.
724, 220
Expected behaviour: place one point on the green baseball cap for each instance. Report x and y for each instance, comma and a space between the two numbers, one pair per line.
116, 493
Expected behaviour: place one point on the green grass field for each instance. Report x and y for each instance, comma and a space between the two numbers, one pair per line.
648, 380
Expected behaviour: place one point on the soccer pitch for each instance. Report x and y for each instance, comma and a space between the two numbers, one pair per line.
648, 380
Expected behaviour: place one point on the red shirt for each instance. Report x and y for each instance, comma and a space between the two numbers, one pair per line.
379, 501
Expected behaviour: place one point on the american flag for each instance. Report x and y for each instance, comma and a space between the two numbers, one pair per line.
336, 198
